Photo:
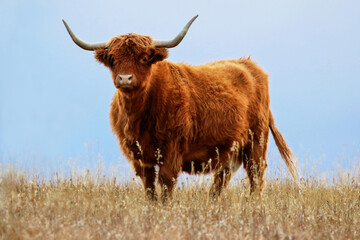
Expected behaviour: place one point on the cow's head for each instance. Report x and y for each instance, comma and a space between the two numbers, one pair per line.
131, 56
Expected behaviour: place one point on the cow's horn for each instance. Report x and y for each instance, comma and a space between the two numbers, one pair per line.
177, 39
81, 43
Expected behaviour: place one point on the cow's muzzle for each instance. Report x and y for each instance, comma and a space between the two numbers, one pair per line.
125, 81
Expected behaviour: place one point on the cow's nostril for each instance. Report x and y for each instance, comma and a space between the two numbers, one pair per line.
126, 78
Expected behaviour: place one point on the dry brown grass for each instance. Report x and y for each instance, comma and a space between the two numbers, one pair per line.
91, 206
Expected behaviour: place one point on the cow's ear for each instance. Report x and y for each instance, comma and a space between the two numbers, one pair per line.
103, 56
158, 54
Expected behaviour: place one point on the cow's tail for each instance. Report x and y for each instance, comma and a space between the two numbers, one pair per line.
284, 150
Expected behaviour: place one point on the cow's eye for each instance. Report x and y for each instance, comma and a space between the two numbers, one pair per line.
144, 59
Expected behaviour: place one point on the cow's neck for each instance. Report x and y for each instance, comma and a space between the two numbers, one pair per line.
134, 108
134, 104
146, 106
152, 98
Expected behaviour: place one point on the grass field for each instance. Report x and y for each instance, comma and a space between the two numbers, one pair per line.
92, 206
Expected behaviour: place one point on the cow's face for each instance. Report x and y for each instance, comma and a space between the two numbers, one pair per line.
130, 58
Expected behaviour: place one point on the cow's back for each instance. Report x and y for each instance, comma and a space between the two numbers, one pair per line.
226, 97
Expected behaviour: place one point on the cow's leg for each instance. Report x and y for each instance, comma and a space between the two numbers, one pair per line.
169, 169
222, 177
167, 180
220, 180
147, 175
255, 162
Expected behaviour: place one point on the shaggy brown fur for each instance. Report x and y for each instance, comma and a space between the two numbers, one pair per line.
195, 119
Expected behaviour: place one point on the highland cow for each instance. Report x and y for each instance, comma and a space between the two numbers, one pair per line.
183, 118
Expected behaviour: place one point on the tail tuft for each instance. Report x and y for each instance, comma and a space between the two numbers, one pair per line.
284, 150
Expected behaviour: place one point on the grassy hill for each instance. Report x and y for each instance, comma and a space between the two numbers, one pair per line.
93, 206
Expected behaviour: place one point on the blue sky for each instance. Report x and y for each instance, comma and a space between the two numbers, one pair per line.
54, 96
